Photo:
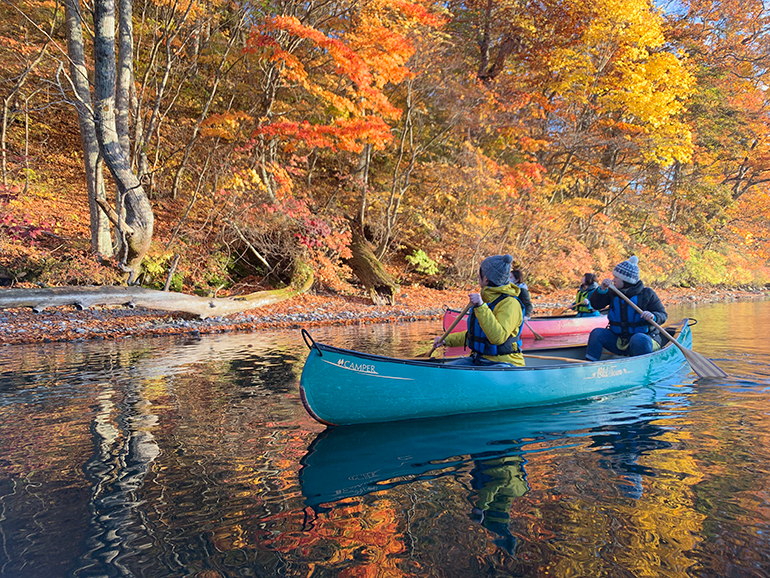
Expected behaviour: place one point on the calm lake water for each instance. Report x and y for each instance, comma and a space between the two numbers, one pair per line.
194, 457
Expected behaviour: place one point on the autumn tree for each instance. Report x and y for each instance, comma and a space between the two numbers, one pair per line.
323, 74
717, 198
585, 93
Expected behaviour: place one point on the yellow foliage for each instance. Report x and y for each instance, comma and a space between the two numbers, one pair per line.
618, 69
226, 125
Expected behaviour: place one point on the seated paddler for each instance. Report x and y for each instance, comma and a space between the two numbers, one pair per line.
496, 319
629, 332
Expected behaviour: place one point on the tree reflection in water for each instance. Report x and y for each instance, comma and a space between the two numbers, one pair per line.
194, 457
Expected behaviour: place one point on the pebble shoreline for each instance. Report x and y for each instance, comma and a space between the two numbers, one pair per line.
18, 326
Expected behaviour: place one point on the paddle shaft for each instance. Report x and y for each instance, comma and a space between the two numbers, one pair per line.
650, 321
535, 333
703, 366
448, 331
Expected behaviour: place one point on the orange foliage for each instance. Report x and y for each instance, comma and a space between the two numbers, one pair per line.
576, 135
347, 63
347, 135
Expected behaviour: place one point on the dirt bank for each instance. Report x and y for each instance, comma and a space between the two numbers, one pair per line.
310, 310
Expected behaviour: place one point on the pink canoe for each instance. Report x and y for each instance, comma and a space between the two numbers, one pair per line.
555, 326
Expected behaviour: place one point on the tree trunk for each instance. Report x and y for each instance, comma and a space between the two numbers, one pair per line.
136, 227
101, 237
402, 173
380, 285
218, 75
20, 81
362, 181
125, 75
165, 39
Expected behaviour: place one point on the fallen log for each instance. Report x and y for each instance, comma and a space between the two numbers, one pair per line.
204, 307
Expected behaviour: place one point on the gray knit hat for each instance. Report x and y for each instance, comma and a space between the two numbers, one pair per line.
497, 269
628, 270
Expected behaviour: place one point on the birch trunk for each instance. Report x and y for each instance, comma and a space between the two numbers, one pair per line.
101, 236
136, 227
125, 74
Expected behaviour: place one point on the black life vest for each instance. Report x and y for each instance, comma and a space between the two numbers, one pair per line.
477, 341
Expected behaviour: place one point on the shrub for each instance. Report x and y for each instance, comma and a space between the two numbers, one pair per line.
422, 263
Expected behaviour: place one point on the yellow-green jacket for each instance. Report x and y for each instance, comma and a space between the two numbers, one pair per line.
497, 325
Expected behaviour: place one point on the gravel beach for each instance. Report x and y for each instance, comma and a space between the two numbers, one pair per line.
308, 310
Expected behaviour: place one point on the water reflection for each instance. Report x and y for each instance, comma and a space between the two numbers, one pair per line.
356, 460
116, 448
497, 483
194, 457
492, 450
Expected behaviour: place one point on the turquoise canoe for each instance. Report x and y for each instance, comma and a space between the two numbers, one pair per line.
341, 387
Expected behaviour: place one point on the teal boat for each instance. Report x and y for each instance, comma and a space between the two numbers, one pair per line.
342, 387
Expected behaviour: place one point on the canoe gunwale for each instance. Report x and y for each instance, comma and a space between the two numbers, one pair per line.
543, 317
539, 327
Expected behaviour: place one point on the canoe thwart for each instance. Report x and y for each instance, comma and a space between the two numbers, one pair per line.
569, 359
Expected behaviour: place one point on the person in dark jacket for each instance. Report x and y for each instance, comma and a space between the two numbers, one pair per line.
582, 304
629, 333
517, 278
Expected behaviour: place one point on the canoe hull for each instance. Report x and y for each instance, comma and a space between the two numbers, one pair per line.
340, 386
544, 326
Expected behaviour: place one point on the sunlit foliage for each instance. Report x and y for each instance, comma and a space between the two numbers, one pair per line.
570, 134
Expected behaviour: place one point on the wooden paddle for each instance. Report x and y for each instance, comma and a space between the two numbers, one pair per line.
448, 331
538, 337
701, 365
560, 311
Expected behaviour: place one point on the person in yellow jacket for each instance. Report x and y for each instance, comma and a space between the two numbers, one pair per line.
495, 321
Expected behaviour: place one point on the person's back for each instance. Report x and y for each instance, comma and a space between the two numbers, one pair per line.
517, 278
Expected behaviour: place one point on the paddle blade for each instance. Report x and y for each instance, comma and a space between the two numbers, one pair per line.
426, 354
703, 366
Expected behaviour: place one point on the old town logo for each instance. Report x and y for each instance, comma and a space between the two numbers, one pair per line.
603, 372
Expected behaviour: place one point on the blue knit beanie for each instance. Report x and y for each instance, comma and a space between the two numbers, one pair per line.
628, 270
497, 269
